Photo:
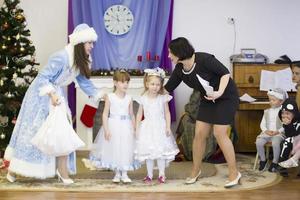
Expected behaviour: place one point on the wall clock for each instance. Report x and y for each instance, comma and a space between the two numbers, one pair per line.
118, 19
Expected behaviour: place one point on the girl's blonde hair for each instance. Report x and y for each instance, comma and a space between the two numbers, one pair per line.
121, 76
147, 78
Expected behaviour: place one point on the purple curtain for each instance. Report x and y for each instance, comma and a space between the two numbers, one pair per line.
80, 11
71, 88
166, 62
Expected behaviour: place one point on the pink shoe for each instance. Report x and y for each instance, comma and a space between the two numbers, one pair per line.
147, 180
161, 179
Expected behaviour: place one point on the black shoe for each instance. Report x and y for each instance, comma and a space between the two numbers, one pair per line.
273, 167
262, 165
283, 172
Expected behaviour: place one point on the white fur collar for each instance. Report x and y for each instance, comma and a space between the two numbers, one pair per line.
70, 51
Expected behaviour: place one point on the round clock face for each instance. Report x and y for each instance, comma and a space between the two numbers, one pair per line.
118, 19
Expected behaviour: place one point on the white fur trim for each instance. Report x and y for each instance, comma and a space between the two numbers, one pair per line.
28, 169
86, 35
44, 90
9, 152
70, 51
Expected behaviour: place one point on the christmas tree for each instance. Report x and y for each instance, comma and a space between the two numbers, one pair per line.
16, 66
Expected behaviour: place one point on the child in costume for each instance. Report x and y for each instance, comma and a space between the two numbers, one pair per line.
114, 145
154, 137
272, 130
64, 67
289, 115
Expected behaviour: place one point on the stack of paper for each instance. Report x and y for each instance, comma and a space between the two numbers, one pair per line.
247, 98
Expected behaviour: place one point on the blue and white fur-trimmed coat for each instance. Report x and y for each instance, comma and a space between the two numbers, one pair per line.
26, 159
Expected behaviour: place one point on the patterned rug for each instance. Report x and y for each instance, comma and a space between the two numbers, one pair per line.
212, 180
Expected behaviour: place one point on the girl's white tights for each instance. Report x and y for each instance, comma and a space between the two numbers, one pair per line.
161, 164
119, 173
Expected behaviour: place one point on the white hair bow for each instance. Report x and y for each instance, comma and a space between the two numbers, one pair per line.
156, 72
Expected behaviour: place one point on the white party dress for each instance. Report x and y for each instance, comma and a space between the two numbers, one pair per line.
153, 142
118, 152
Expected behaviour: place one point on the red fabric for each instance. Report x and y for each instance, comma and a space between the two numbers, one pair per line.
5, 164
87, 115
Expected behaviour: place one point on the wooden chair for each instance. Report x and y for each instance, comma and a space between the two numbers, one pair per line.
268, 145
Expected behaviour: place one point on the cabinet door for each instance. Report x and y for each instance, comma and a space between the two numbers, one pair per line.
248, 127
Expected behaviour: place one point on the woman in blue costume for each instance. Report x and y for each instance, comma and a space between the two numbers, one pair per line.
64, 67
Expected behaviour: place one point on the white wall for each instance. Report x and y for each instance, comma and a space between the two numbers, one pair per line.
270, 26
47, 22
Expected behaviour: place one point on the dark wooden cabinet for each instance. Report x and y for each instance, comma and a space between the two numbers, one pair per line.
248, 117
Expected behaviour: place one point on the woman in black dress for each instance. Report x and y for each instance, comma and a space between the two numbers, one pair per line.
217, 107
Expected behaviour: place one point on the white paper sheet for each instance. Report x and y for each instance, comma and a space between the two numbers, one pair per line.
247, 98
208, 89
277, 79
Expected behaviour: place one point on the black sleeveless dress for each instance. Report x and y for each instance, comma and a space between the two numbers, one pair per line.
223, 110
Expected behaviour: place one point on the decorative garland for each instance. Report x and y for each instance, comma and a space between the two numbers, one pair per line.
132, 72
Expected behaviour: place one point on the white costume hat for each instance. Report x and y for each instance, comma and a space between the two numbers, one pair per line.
82, 33
278, 93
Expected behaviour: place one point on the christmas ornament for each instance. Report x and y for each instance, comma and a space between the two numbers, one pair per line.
20, 17
4, 164
15, 75
14, 120
5, 26
2, 136
9, 95
3, 121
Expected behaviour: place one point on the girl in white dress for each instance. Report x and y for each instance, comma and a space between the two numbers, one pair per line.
114, 145
154, 137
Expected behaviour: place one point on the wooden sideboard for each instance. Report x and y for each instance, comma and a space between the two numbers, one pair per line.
248, 117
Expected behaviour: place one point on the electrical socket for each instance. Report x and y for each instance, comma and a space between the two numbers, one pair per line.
230, 20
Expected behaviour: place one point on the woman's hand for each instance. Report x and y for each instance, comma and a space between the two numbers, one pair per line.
55, 100
168, 132
107, 135
213, 96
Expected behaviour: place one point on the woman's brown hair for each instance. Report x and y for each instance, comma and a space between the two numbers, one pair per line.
81, 60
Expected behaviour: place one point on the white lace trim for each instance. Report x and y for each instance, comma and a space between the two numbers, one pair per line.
190, 71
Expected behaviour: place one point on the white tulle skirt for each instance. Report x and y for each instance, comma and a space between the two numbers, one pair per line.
153, 143
56, 136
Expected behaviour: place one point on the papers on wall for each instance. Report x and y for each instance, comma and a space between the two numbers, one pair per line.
247, 98
208, 89
277, 79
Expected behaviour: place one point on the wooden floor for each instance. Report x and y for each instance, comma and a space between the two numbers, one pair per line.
288, 189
